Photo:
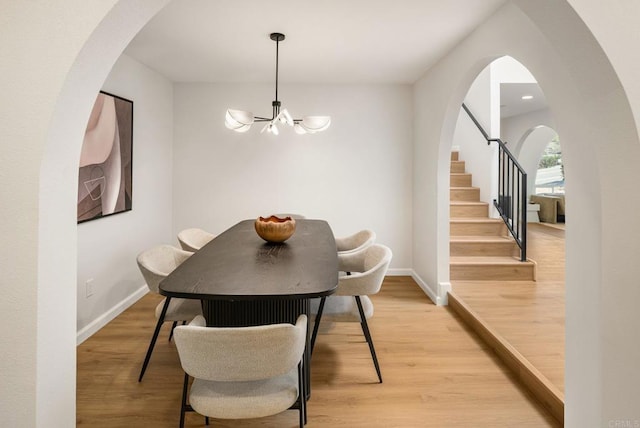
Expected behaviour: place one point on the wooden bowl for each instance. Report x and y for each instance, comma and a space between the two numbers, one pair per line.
275, 229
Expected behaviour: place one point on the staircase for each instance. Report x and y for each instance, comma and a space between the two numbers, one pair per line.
480, 247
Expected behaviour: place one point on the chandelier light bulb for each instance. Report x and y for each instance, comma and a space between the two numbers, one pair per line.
313, 124
238, 120
285, 117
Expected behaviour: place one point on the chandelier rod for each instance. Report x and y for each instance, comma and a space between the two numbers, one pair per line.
277, 46
276, 37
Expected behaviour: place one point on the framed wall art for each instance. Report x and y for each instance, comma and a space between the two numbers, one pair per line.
105, 173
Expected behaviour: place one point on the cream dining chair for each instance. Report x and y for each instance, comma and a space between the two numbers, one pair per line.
242, 372
356, 242
155, 264
193, 239
350, 302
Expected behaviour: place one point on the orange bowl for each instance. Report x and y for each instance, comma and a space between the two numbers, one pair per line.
275, 229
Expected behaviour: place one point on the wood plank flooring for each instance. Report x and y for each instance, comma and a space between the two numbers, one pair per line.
436, 373
529, 315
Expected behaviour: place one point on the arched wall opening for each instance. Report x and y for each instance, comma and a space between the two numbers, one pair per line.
100, 42
542, 37
533, 145
525, 125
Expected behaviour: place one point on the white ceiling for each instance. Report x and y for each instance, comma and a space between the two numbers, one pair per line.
327, 41
511, 102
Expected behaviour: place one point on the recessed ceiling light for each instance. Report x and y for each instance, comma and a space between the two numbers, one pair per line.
527, 97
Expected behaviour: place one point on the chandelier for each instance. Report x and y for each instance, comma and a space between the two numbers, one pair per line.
241, 121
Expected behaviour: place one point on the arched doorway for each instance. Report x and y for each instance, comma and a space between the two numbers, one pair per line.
46, 127
535, 143
503, 296
580, 121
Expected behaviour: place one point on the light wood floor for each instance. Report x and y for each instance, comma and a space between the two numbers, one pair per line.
436, 374
529, 315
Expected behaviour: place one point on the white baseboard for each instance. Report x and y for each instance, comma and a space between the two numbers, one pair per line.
108, 316
400, 272
443, 293
430, 292
439, 296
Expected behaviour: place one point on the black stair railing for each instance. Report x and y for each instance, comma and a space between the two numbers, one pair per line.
512, 190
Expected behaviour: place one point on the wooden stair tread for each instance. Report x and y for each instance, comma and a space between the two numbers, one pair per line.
476, 220
487, 260
483, 238
468, 203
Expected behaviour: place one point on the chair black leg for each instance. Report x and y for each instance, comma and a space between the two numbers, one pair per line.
206, 420
154, 338
302, 396
183, 404
173, 326
317, 323
367, 335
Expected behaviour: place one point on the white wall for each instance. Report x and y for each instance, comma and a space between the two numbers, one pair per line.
515, 128
619, 153
356, 175
107, 247
529, 134
508, 70
480, 158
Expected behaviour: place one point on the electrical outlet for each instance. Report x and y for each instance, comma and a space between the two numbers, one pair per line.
89, 287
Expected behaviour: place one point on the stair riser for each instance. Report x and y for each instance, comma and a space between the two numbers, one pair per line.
457, 166
471, 194
485, 272
454, 156
460, 180
469, 211
464, 249
477, 229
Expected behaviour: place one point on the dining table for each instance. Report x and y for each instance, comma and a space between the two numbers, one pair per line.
243, 280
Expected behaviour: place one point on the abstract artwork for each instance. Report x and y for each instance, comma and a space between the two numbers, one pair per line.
104, 180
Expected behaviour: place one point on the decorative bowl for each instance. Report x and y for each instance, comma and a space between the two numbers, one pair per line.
275, 229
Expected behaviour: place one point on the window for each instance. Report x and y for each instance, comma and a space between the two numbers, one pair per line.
550, 173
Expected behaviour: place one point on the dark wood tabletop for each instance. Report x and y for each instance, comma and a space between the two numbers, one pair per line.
239, 265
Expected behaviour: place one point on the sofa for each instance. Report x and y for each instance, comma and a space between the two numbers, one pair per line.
551, 207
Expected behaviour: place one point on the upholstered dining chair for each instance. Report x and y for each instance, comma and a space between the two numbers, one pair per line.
193, 239
356, 242
242, 372
350, 302
155, 264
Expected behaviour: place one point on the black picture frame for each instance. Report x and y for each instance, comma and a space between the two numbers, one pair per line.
105, 173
